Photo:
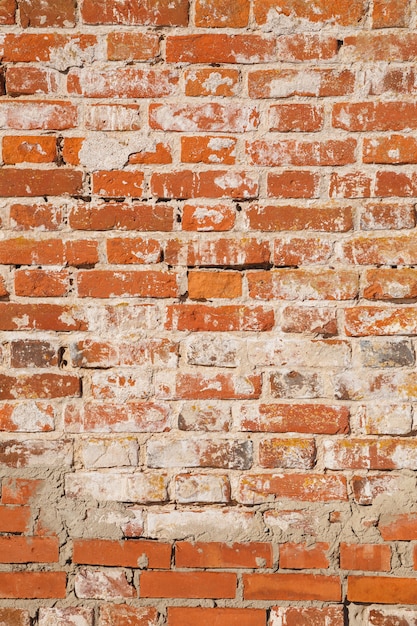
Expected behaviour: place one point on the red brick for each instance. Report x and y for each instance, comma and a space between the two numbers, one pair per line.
38, 114
366, 557
7, 12
37, 216
179, 616
400, 46
103, 584
292, 587
14, 519
367, 488
288, 284
321, 321
363, 321
213, 117
398, 149
187, 585
222, 14
368, 250
342, 12
300, 418
57, 13
350, 185
199, 317
28, 81
388, 284
288, 453
118, 183
39, 386
158, 153
394, 453
398, 527
293, 184
389, 184
205, 285
165, 13
242, 252
259, 488
295, 117
41, 283
14, 617
110, 417
55, 182
128, 553
300, 616
297, 251
388, 216
220, 386
327, 219
122, 82
29, 149
125, 615
25, 47
217, 81
33, 585
16, 316
331, 152
33, 353
133, 251
221, 555
124, 46
29, 550
119, 216
135, 284
283, 83
306, 47
211, 184
220, 48
19, 490
388, 14
382, 589
303, 556
208, 150
369, 116
219, 217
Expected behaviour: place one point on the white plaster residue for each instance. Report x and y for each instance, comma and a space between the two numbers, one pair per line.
214, 81
28, 417
301, 83
21, 322
71, 55
204, 213
404, 457
103, 152
220, 143
281, 24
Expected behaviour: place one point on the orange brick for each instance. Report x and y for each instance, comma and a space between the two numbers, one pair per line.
259, 488
132, 46
57, 13
14, 519
270, 217
208, 218
27, 81
166, 13
32, 585
293, 184
29, 183
292, 587
199, 317
295, 117
220, 48
382, 589
125, 615
208, 150
211, 82
122, 82
29, 550
342, 12
288, 83
19, 490
399, 527
117, 216
222, 13
367, 557
7, 14
220, 555
203, 285
118, 183
388, 14
187, 585
135, 284
179, 616
303, 556
127, 553
41, 283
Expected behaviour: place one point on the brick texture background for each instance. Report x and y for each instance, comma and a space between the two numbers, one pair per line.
207, 309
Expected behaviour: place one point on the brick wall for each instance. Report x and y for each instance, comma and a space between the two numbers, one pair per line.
207, 306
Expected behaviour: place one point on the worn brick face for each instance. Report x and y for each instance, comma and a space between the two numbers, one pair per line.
207, 312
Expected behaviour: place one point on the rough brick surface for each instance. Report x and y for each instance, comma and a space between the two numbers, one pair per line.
208, 320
